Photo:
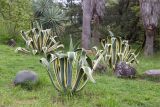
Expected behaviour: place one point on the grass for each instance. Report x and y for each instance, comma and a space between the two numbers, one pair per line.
107, 92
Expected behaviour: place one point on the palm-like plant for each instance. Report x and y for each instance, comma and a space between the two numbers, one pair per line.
39, 41
69, 72
53, 18
39, 6
49, 14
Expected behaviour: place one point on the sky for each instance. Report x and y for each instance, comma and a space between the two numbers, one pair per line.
65, 1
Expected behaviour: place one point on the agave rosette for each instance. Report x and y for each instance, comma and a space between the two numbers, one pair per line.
64, 77
114, 50
69, 72
40, 41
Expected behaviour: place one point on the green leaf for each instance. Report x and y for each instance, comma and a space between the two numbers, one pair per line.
69, 76
71, 48
62, 70
78, 79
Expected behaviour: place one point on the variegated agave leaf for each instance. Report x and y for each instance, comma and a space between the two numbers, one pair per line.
44, 49
34, 52
54, 47
87, 70
47, 65
71, 56
23, 50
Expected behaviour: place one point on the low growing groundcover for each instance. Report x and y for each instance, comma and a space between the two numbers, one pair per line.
108, 91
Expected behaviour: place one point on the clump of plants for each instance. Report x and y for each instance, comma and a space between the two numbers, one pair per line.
39, 41
69, 72
115, 50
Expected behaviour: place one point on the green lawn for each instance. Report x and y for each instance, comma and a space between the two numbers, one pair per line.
108, 91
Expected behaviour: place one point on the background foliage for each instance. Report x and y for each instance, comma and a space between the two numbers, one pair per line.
123, 16
15, 15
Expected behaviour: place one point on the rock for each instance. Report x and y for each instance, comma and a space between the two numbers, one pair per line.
124, 70
100, 68
11, 42
25, 76
155, 73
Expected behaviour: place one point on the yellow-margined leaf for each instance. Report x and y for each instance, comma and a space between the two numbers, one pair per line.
87, 70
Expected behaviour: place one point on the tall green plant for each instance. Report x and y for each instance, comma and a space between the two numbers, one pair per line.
39, 41
69, 72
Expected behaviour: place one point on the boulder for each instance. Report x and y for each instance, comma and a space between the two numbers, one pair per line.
124, 70
99, 67
11, 43
25, 76
152, 73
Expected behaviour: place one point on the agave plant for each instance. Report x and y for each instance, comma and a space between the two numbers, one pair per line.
115, 50
39, 41
69, 72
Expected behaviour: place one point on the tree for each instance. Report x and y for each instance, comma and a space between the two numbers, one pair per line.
16, 15
150, 12
91, 8
123, 18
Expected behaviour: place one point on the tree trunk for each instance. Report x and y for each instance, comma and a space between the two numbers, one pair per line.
90, 8
86, 27
149, 43
150, 11
96, 33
